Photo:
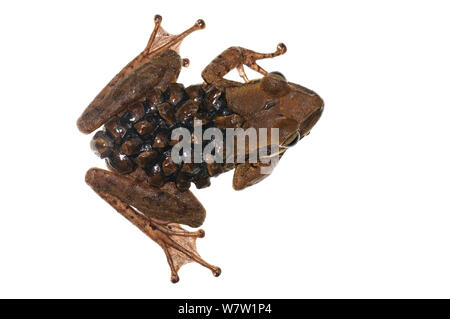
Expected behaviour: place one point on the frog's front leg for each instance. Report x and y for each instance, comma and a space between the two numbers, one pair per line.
141, 204
236, 57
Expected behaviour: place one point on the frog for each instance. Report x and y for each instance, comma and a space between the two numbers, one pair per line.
136, 112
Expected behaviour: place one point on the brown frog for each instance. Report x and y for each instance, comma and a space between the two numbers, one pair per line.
142, 106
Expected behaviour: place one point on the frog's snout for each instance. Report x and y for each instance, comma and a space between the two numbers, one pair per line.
312, 119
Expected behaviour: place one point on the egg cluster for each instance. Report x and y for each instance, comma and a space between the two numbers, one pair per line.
140, 136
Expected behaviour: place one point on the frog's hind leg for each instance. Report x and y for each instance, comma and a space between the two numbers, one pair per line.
178, 244
159, 42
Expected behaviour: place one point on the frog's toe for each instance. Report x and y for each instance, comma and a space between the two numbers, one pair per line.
179, 245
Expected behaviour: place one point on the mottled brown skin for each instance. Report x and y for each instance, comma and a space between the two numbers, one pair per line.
150, 201
116, 93
270, 102
157, 73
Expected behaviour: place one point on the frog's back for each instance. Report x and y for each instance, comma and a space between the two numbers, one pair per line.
140, 136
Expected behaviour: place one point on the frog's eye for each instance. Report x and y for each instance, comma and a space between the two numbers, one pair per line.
279, 74
275, 84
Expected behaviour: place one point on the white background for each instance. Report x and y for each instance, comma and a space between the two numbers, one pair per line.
360, 208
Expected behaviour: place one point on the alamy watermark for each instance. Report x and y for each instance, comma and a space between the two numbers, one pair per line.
240, 146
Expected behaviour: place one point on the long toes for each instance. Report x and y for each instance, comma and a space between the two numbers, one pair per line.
180, 248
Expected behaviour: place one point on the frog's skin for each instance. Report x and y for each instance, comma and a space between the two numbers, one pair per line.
142, 184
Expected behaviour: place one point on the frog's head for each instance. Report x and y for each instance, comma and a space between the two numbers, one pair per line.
273, 102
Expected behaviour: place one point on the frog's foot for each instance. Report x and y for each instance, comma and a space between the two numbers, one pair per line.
160, 40
250, 57
179, 246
